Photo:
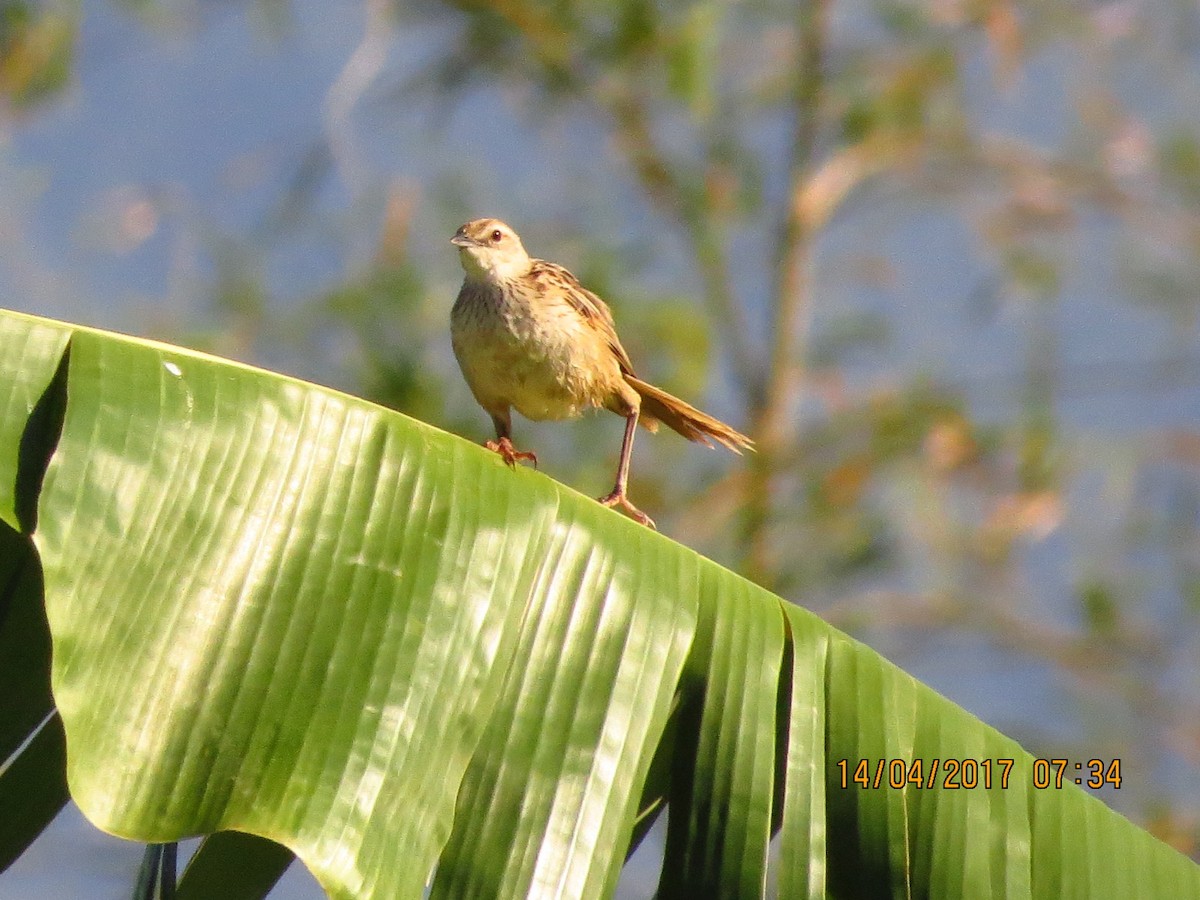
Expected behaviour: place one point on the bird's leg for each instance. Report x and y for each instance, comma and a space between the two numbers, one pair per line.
504, 446
617, 497
510, 453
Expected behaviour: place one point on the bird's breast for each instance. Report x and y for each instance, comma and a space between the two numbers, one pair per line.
537, 354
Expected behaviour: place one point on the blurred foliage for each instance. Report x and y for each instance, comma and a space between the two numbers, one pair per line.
37, 49
1100, 606
1180, 162
380, 311
841, 513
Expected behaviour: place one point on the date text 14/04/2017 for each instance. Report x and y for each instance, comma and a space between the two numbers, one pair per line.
959, 774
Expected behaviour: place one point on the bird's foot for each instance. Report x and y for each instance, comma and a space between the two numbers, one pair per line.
617, 498
510, 453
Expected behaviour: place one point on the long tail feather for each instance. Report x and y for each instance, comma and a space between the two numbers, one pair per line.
684, 418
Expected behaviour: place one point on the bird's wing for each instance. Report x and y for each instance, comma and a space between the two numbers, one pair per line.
553, 277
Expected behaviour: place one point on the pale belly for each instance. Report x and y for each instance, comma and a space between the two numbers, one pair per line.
549, 367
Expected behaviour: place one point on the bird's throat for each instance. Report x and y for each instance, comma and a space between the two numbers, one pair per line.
493, 268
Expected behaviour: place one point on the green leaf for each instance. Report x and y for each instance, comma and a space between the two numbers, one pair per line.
574, 732
33, 784
156, 876
283, 611
24, 643
233, 866
30, 351
270, 669
803, 837
720, 805
33, 790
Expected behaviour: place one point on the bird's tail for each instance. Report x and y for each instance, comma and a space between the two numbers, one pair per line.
659, 406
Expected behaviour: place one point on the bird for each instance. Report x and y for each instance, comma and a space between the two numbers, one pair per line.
529, 336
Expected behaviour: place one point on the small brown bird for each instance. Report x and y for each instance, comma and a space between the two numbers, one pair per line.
528, 336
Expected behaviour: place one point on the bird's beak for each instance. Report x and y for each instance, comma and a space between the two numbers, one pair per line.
461, 240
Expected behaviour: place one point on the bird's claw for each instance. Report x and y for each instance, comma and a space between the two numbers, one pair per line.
511, 454
617, 498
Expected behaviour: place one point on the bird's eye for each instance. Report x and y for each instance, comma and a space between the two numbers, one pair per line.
496, 235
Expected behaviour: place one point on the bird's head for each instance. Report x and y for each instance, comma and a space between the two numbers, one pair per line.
490, 250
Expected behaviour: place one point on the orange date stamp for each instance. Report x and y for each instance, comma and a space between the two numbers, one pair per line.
969, 774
